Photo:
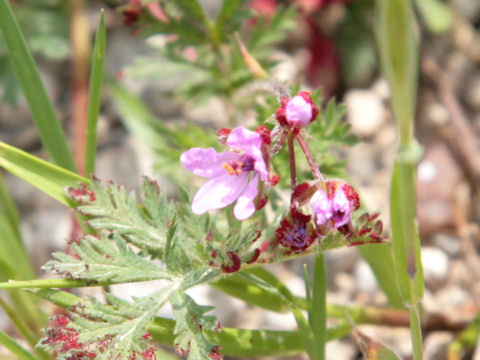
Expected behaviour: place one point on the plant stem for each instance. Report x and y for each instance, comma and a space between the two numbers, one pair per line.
315, 170
291, 156
416, 332
399, 55
80, 39
50, 283
21, 327
317, 314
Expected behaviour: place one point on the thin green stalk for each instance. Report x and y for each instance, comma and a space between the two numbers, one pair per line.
28, 335
416, 330
21, 327
47, 177
41, 107
95, 96
15, 347
317, 313
50, 283
399, 55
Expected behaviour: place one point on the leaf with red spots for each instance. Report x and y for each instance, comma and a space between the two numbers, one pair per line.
116, 330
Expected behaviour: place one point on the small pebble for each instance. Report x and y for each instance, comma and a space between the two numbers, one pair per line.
366, 112
435, 264
364, 278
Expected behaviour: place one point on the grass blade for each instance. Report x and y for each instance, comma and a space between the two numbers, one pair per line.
7, 207
380, 260
15, 348
317, 312
41, 107
95, 96
47, 177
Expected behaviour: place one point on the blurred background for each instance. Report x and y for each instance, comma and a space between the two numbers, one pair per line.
163, 79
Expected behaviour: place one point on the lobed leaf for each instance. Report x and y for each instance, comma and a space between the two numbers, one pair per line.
191, 326
117, 330
99, 259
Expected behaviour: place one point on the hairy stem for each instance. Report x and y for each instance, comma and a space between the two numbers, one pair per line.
315, 170
291, 156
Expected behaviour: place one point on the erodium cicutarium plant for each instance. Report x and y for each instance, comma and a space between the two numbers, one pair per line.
233, 225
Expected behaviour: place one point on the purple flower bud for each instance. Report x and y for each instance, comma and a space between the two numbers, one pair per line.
297, 112
334, 206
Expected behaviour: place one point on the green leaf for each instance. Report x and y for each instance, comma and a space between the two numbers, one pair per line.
380, 260
304, 328
117, 330
46, 177
399, 57
230, 17
317, 312
238, 287
40, 105
234, 342
12, 251
98, 259
15, 347
192, 9
95, 96
405, 238
191, 327
436, 14
114, 210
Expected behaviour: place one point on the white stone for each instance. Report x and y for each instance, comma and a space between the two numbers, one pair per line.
365, 280
452, 297
435, 344
366, 112
435, 264
427, 171
340, 349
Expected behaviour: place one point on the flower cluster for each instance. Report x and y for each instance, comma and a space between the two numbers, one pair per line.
242, 174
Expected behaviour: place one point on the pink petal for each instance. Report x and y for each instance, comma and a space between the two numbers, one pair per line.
321, 207
245, 206
219, 192
206, 162
244, 139
298, 111
250, 142
341, 208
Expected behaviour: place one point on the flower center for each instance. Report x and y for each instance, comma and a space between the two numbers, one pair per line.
236, 167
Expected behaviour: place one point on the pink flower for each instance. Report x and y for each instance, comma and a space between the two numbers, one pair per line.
334, 206
232, 175
297, 112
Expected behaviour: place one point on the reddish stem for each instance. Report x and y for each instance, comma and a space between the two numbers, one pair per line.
291, 156
81, 62
316, 172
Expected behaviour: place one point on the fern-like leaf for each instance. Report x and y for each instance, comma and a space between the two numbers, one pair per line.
191, 326
100, 259
117, 330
